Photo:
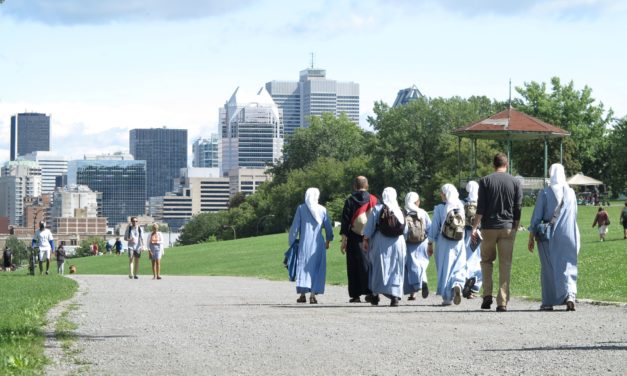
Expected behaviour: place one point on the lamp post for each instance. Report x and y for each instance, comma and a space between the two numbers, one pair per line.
232, 228
261, 220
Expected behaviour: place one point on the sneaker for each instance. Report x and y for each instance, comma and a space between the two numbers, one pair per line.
46, 272
425, 290
136, 277
457, 295
470, 283
487, 302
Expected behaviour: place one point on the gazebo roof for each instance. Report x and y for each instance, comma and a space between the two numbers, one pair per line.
510, 124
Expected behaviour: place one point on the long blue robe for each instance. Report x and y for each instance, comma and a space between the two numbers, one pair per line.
558, 256
387, 258
311, 265
450, 256
416, 260
473, 259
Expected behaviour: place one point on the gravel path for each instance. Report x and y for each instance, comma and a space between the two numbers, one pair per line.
244, 326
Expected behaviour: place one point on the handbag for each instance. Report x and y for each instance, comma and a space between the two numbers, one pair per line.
544, 230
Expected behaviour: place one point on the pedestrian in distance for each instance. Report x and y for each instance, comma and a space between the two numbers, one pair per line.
118, 246
135, 245
385, 244
44, 243
447, 232
499, 208
108, 246
311, 264
603, 221
355, 213
623, 220
155, 247
416, 241
60, 254
556, 206
7, 259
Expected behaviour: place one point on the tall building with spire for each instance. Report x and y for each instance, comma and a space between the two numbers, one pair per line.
312, 95
405, 96
251, 131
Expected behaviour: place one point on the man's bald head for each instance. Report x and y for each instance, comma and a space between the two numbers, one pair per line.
360, 183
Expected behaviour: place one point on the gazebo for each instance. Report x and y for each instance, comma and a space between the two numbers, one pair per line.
509, 125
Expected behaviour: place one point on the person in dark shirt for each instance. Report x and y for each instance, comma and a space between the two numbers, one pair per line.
498, 212
61, 259
7, 259
352, 237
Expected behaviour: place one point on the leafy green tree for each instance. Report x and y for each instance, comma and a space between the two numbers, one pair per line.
201, 227
614, 172
572, 110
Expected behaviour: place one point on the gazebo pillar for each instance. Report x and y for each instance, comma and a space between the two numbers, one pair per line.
561, 151
474, 158
546, 158
459, 160
509, 158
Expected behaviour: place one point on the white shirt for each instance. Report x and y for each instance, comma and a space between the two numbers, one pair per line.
43, 239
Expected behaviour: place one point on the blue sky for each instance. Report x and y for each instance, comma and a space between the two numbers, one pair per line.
100, 68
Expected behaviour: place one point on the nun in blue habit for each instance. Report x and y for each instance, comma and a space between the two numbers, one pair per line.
450, 255
558, 255
417, 259
386, 254
311, 264
473, 258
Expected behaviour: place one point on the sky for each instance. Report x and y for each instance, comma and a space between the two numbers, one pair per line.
101, 68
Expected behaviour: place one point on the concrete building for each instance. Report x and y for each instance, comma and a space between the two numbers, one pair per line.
246, 180
75, 201
20, 179
312, 95
29, 132
165, 153
52, 167
251, 131
122, 183
206, 152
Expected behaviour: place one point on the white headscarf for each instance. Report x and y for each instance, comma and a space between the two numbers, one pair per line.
410, 202
473, 191
389, 199
311, 200
558, 180
452, 198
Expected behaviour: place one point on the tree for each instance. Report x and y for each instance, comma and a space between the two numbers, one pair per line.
572, 110
614, 172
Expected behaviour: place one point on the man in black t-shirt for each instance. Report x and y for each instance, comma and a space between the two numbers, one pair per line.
498, 211
7, 259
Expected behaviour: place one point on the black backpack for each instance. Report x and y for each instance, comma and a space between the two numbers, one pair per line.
389, 225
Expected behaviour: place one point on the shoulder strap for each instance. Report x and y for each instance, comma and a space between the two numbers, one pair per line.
558, 208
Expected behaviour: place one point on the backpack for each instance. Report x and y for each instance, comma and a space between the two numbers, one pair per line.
360, 217
389, 225
127, 236
453, 227
470, 209
415, 229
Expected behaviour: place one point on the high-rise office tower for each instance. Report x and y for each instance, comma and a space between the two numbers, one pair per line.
313, 95
29, 132
206, 152
52, 166
20, 179
405, 96
165, 153
252, 131
122, 183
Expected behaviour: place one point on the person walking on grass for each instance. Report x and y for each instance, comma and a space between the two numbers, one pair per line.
416, 239
602, 220
385, 245
155, 247
354, 218
44, 242
61, 258
557, 205
498, 211
135, 241
311, 264
450, 252
623, 220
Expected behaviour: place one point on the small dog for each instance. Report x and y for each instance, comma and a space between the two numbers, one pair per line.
72, 269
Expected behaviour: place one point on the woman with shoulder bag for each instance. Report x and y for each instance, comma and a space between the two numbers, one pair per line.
556, 206
155, 247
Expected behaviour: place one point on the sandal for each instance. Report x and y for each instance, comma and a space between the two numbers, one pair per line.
301, 299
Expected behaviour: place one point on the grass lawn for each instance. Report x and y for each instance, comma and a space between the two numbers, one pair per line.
25, 302
601, 265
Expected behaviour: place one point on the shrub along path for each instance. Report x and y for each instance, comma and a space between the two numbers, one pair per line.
233, 325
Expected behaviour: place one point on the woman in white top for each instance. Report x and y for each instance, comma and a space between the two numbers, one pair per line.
155, 246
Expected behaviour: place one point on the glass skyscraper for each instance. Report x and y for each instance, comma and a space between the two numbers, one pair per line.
121, 182
313, 95
206, 152
29, 132
165, 153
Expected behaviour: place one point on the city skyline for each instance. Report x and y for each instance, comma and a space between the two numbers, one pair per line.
115, 67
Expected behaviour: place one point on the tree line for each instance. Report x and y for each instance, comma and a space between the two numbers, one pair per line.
411, 148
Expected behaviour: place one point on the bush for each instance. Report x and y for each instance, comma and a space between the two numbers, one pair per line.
529, 201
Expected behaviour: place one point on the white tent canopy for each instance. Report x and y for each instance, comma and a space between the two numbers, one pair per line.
581, 179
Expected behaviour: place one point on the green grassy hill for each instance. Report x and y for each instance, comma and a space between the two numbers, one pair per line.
601, 265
